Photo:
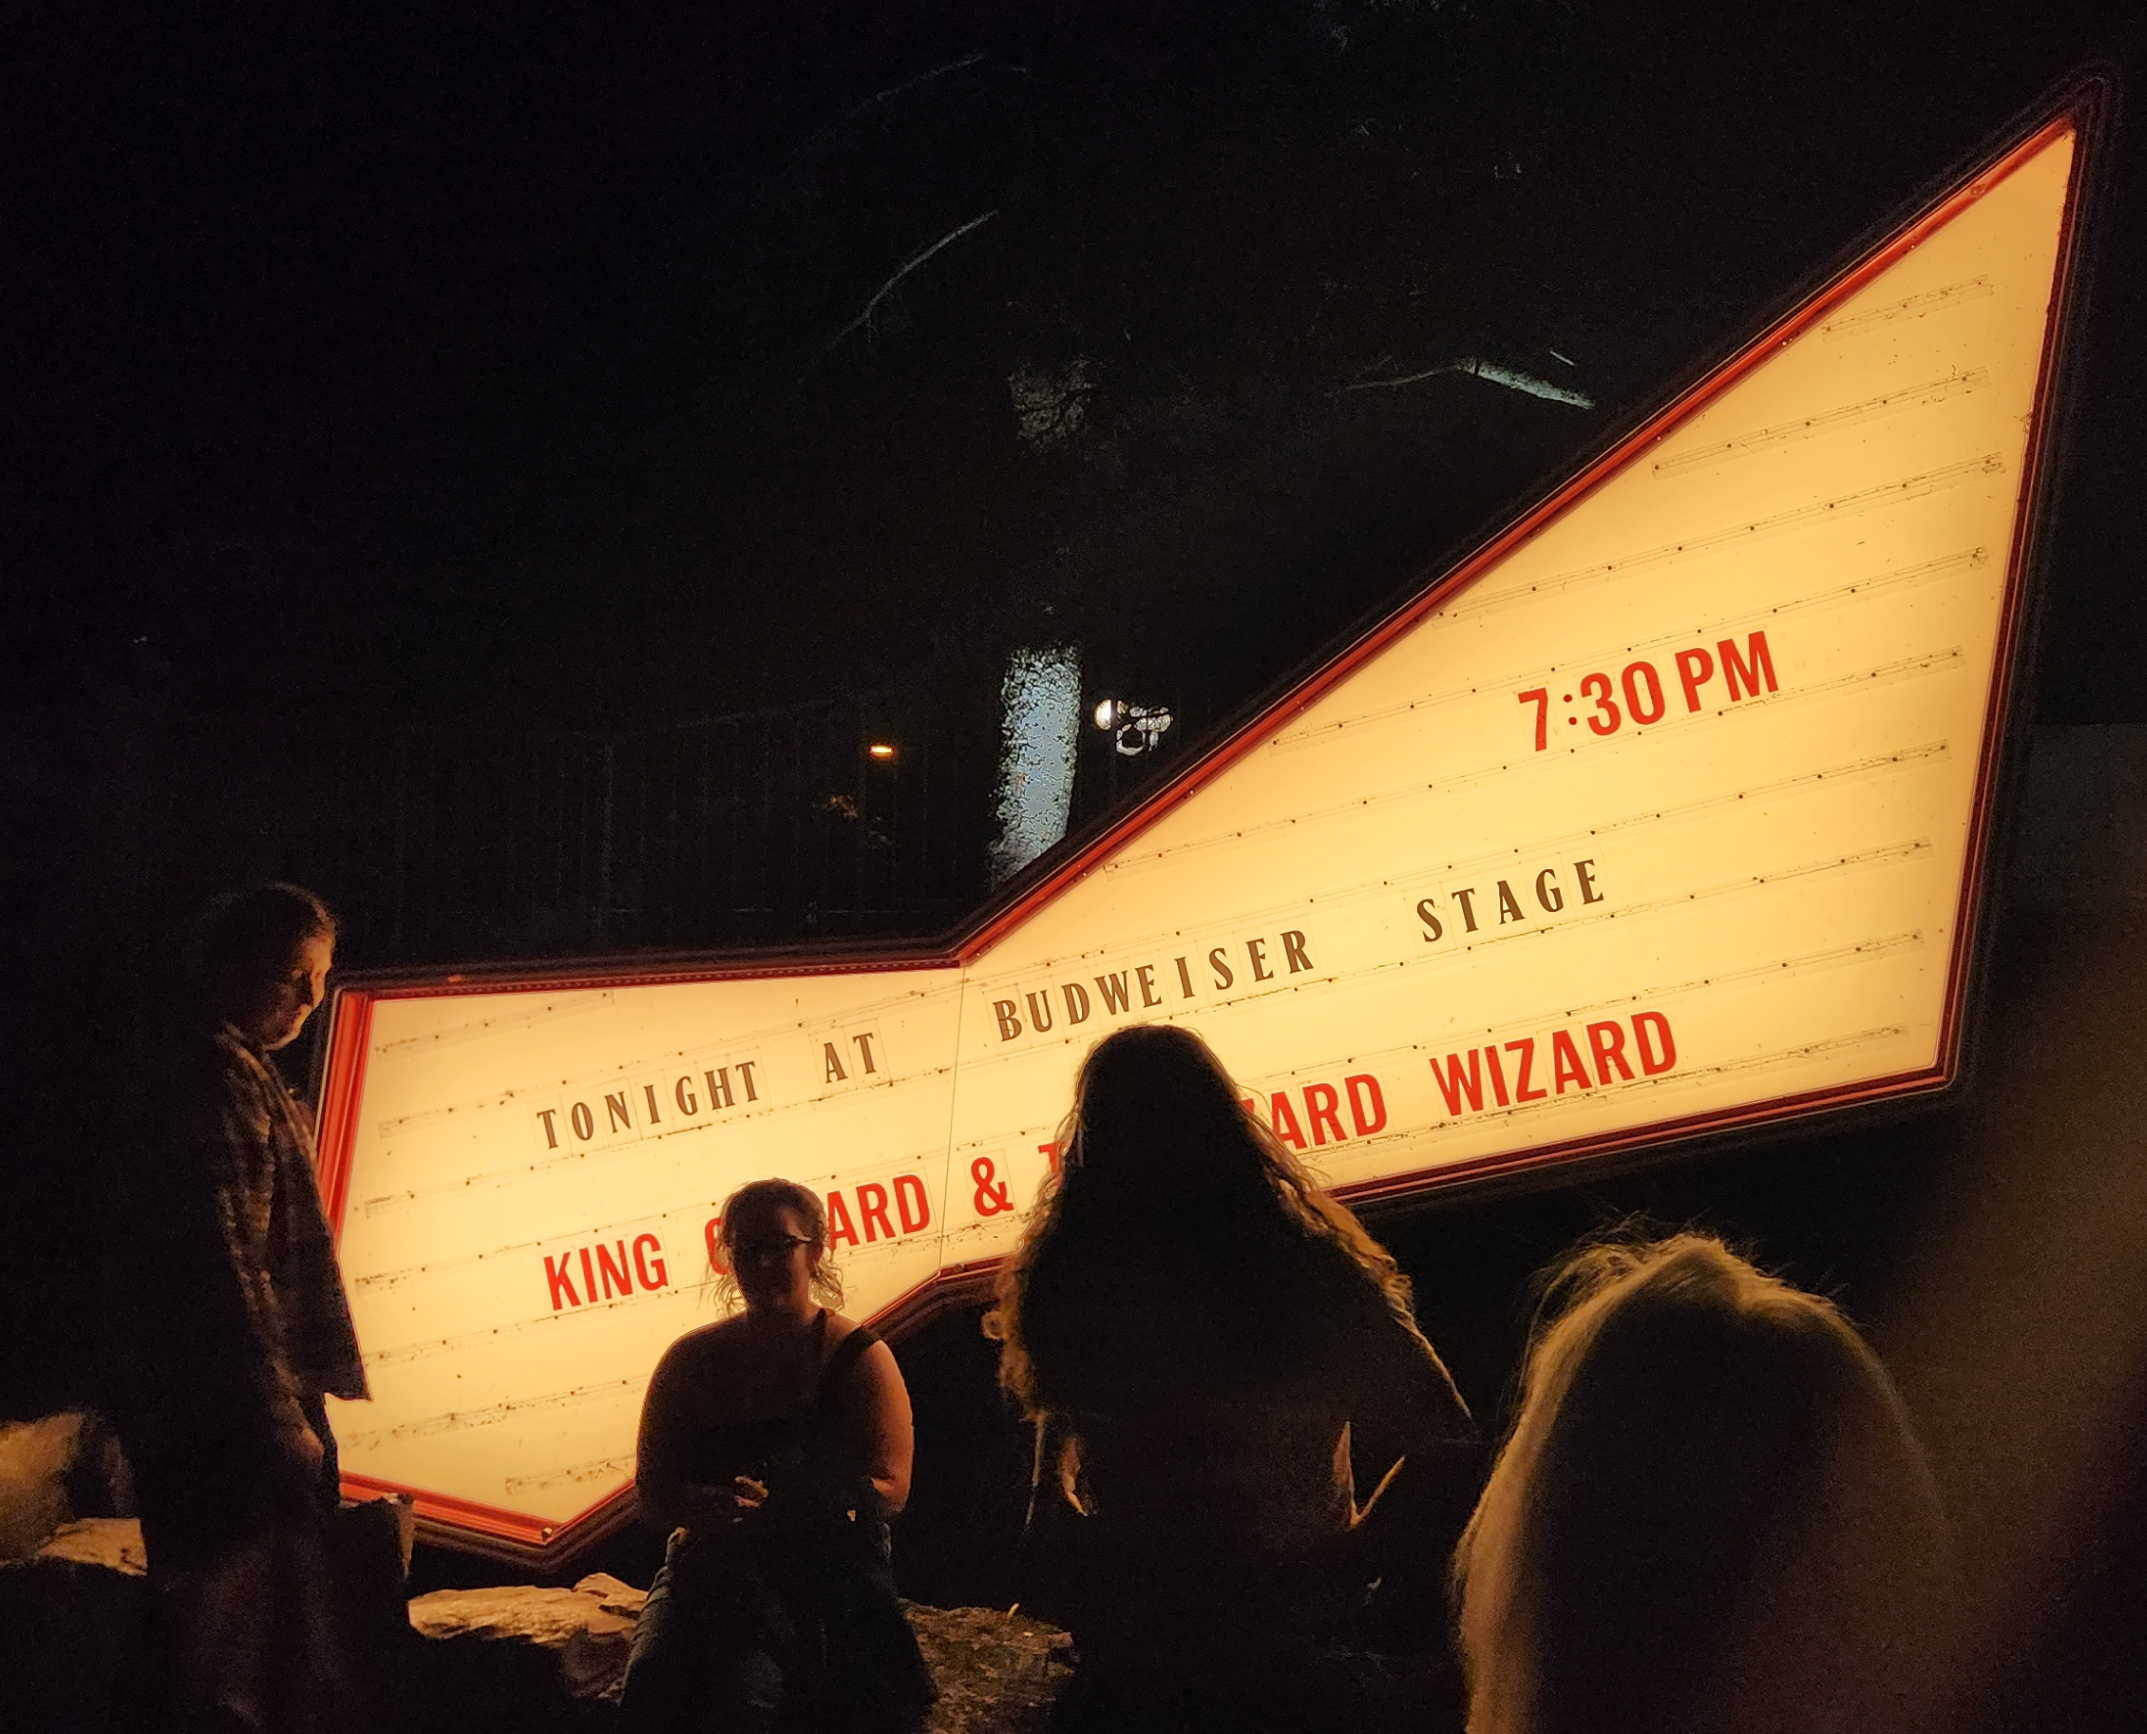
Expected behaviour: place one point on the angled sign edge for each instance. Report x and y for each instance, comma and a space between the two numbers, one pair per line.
2079, 109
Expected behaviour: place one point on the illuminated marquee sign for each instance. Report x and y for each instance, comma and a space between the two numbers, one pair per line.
1661, 815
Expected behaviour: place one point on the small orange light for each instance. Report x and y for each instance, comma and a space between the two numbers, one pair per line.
881, 750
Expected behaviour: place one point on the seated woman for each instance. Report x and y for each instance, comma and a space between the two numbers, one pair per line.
1711, 1515
1206, 1342
776, 1447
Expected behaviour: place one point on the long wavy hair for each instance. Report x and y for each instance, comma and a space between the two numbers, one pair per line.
1711, 1514
1180, 1240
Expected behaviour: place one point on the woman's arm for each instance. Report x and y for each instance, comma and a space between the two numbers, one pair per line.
1419, 1462
878, 1428
669, 1496
1407, 1421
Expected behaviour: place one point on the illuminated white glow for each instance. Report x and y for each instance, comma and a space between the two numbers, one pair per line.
1661, 820
1041, 704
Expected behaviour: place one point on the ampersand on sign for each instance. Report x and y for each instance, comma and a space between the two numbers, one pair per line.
991, 1195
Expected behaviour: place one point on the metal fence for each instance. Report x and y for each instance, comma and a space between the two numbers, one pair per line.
756, 827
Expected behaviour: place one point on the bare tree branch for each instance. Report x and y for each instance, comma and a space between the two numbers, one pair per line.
820, 140
888, 288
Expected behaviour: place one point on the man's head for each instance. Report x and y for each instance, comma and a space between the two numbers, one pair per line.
261, 960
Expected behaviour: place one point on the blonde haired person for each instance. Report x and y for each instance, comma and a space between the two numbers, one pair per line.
1206, 1341
1711, 1514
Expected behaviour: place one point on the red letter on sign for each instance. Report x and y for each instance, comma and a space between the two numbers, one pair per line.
872, 1210
1322, 1102
1367, 1107
1498, 1077
1652, 1058
650, 1270
614, 1270
1541, 699
909, 1192
838, 1221
1735, 667
1608, 1041
1284, 1119
1565, 1063
1695, 668
562, 1282
1453, 1085
1526, 1048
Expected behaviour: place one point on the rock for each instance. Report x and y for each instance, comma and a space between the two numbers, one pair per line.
74, 1621
115, 1543
522, 1657
998, 1672
74, 1630
589, 1627
35, 1457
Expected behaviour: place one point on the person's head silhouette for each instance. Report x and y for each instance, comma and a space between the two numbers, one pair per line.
1711, 1513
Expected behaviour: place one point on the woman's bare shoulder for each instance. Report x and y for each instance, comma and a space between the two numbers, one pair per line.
839, 1329
706, 1345
877, 1363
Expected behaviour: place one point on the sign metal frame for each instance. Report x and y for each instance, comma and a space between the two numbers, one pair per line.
2081, 106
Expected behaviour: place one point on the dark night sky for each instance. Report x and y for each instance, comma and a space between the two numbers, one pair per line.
482, 363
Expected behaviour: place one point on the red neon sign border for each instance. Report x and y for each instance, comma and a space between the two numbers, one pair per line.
2080, 110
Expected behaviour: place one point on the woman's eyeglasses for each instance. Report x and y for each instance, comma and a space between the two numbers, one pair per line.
766, 1246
